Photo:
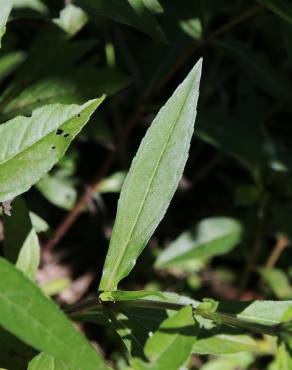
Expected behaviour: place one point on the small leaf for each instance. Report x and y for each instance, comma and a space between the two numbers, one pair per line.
152, 180
5, 9
58, 191
30, 146
212, 236
171, 345
28, 314
277, 281
121, 295
130, 12
21, 245
71, 19
9, 62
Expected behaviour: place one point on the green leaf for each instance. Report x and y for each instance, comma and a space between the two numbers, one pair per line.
9, 62
38, 223
152, 180
58, 191
133, 13
212, 236
283, 360
28, 314
281, 8
74, 86
171, 345
261, 312
71, 19
48, 362
112, 184
21, 245
5, 9
277, 281
30, 146
221, 344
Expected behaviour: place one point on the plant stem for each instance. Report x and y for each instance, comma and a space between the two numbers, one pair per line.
219, 317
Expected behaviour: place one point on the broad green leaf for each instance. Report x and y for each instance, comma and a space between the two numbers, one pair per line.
277, 281
130, 12
9, 62
281, 8
47, 362
154, 6
58, 191
21, 245
221, 344
74, 86
171, 345
28, 314
30, 146
283, 360
212, 236
5, 9
14, 354
71, 19
152, 180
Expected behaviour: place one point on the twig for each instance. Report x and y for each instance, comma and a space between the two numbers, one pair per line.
281, 244
86, 196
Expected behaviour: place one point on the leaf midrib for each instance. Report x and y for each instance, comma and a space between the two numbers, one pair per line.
119, 259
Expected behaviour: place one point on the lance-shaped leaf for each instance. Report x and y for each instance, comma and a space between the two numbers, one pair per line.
5, 9
152, 180
21, 244
30, 146
28, 314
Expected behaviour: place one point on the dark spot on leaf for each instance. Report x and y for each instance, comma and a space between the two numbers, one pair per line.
59, 131
66, 135
53, 147
78, 115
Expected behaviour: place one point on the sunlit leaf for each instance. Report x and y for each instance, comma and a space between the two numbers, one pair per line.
152, 180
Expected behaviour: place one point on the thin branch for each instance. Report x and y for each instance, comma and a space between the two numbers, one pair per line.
219, 317
281, 244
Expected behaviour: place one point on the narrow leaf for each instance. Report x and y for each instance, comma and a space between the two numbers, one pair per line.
21, 245
27, 313
30, 146
211, 237
152, 180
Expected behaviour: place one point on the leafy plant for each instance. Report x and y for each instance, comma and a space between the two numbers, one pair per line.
169, 291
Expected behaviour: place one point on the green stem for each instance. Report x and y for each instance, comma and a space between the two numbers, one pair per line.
218, 317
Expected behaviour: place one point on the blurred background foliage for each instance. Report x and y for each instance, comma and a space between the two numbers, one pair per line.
227, 232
